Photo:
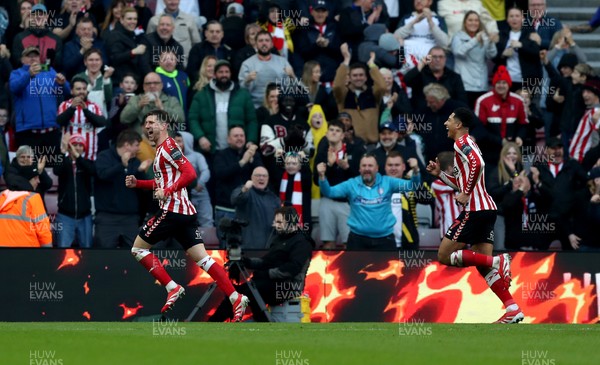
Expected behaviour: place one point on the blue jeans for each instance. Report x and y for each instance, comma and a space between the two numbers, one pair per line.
70, 229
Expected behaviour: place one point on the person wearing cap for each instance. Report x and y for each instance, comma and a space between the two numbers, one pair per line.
320, 41
38, 34
23, 220
218, 108
23, 174
392, 137
160, 41
503, 114
560, 182
175, 82
212, 45
590, 122
75, 173
234, 27
81, 116
186, 31
421, 30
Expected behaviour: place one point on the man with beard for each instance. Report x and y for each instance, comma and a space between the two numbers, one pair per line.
80, 116
218, 108
278, 275
371, 220
176, 217
393, 137
263, 68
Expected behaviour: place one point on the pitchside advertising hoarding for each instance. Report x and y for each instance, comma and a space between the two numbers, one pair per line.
109, 285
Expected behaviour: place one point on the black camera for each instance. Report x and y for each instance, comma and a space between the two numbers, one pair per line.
231, 233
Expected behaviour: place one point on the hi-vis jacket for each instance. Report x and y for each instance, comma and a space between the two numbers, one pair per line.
23, 220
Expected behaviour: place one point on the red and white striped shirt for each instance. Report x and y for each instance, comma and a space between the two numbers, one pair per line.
445, 205
167, 172
582, 140
79, 124
469, 176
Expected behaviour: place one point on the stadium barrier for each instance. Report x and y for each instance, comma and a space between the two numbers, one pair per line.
109, 285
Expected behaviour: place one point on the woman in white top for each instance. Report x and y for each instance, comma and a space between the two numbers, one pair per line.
472, 48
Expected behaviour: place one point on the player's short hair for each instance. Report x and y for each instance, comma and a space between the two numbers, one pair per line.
465, 116
128, 136
162, 115
446, 159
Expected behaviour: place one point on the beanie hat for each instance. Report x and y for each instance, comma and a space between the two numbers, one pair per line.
221, 63
568, 60
388, 42
502, 74
593, 85
77, 138
373, 32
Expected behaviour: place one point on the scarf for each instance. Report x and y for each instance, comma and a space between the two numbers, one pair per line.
296, 192
278, 35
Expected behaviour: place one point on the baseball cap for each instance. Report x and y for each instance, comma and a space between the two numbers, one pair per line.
319, 4
235, 8
221, 63
594, 173
344, 115
77, 138
388, 125
29, 50
39, 7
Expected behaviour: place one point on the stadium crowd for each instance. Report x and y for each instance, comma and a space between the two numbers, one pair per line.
261, 92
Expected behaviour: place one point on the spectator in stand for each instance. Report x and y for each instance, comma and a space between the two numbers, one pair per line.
197, 190
563, 43
153, 98
587, 219
75, 175
270, 105
430, 69
34, 230
35, 90
262, 68
320, 43
447, 208
83, 117
218, 107
271, 20
391, 140
186, 30
519, 50
40, 36
499, 178
354, 19
158, 42
535, 127
371, 220
385, 46
357, 97
233, 167
206, 74
539, 22
19, 177
5, 70
318, 129
175, 82
255, 203
125, 48
234, 26
212, 45
421, 30
17, 26
341, 156
503, 114
590, 122
66, 23
100, 87
395, 101
117, 207
561, 87
83, 41
472, 49
128, 86
113, 17
4, 140
316, 92
249, 49
453, 12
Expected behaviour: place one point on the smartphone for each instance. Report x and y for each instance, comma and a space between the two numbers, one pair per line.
44, 67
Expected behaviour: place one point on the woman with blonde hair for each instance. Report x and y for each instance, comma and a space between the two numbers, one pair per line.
270, 105
316, 93
207, 72
499, 179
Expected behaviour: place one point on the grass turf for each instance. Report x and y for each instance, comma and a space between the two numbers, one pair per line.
305, 344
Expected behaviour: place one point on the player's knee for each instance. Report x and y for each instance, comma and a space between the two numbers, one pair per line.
443, 258
139, 253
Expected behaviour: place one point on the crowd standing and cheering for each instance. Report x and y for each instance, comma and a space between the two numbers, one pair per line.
331, 107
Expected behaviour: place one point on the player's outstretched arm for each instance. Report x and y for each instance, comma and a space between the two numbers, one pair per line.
131, 182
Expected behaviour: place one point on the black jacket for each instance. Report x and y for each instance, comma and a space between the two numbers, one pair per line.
418, 80
335, 174
119, 44
529, 55
229, 175
74, 191
329, 58
14, 180
201, 50
154, 46
111, 194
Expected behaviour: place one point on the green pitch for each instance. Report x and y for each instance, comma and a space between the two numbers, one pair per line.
172, 343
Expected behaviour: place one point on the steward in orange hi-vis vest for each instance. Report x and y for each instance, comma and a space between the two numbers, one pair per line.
23, 220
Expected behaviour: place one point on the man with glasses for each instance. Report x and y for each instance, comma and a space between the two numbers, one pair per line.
255, 203
432, 68
537, 21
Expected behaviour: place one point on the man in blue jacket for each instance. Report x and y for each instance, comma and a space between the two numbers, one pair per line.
37, 90
371, 220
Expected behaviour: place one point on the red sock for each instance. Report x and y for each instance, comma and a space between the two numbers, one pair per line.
153, 265
471, 258
218, 274
500, 288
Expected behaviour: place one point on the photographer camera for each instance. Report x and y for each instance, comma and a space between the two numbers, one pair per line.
279, 275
